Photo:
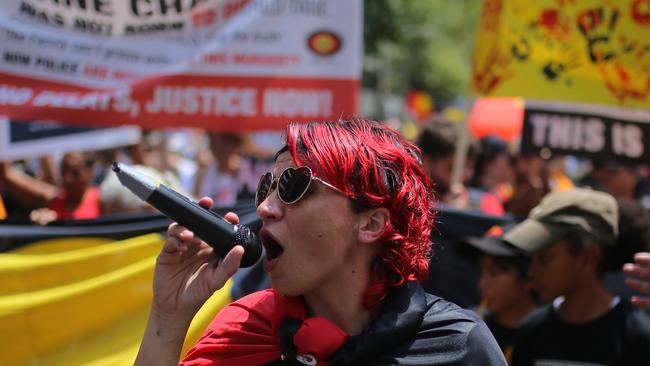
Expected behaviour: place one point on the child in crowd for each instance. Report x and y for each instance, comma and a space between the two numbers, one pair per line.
506, 291
569, 235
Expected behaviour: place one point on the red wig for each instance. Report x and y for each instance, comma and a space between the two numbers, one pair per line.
376, 167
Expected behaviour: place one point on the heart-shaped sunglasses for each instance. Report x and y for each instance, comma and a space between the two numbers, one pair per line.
292, 185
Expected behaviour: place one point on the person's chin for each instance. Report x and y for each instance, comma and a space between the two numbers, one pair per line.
285, 289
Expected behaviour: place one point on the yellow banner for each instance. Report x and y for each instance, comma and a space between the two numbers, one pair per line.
83, 301
586, 51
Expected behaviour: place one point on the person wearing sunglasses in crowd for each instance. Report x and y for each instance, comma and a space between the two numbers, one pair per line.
346, 218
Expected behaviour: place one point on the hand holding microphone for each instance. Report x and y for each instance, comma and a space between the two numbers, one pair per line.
187, 270
207, 225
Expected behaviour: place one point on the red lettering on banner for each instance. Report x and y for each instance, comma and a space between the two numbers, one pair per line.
214, 59
233, 8
265, 60
97, 72
641, 12
204, 18
123, 75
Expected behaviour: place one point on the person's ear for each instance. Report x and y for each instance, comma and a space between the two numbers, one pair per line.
373, 224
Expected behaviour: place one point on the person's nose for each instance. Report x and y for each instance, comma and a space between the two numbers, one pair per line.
271, 207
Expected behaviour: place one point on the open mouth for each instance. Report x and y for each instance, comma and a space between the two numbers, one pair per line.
273, 249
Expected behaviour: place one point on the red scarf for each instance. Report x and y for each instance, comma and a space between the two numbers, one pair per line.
246, 333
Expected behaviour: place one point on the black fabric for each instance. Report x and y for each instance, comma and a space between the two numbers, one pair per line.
505, 336
287, 330
417, 328
621, 337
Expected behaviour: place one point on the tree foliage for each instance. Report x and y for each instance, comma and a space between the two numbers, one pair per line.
424, 44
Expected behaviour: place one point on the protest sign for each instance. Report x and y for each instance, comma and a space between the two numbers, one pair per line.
218, 64
588, 51
596, 132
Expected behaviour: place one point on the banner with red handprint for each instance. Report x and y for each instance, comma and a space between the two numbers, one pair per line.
587, 51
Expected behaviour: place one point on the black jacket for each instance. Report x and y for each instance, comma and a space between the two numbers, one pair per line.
417, 328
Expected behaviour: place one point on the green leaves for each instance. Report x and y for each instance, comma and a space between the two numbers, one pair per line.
424, 44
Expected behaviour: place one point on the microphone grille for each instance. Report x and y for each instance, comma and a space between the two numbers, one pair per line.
252, 246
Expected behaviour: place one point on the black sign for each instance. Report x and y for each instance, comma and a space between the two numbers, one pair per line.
20, 131
593, 132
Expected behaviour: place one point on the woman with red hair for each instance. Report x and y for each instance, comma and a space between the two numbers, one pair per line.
347, 215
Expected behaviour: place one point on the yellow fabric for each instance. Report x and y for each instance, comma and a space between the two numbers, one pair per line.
587, 51
82, 301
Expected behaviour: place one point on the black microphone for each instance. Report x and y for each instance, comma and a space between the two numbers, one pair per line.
206, 224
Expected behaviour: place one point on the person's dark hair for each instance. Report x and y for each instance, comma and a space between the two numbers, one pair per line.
376, 166
633, 236
612, 163
233, 138
86, 158
435, 143
489, 148
580, 239
439, 142
633, 233
519, 264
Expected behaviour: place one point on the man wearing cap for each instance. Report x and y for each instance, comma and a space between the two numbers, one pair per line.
569, 235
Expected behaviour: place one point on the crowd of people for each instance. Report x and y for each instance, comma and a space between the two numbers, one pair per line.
552, 278
81, 185
498, 179
351, 205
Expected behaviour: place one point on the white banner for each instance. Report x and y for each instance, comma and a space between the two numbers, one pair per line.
221, 64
